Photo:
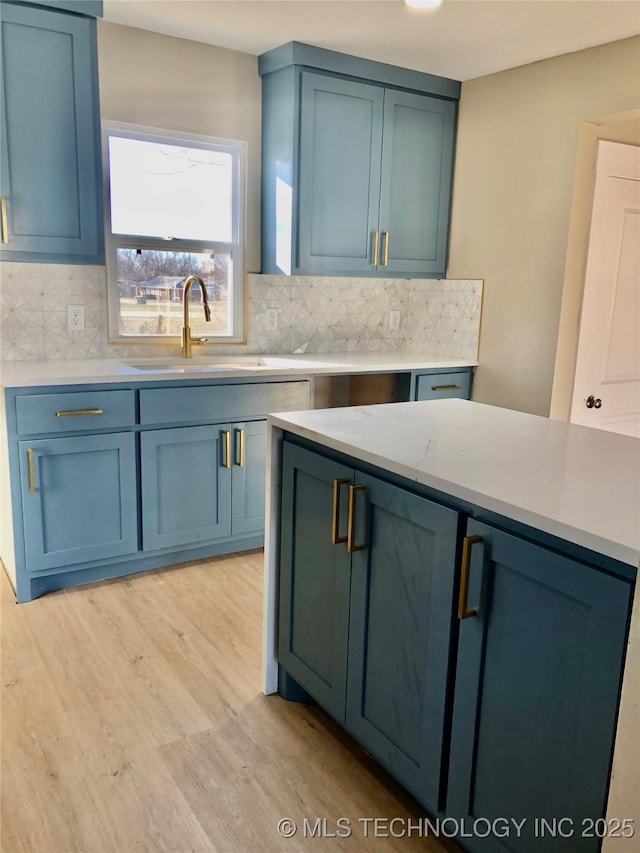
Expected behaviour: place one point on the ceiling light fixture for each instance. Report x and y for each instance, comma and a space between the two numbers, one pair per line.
423, 4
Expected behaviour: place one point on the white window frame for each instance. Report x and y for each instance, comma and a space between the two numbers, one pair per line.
238, 151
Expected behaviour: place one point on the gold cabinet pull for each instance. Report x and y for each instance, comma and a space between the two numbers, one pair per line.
240, 446
336, 539
445, 387
31, 459
375, 248
79, 412
464, 611
351, 524
385, 248
4, 224
227, 448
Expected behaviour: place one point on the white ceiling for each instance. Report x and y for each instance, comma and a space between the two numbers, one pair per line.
462, 39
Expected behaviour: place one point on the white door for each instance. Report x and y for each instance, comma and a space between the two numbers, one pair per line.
606, 391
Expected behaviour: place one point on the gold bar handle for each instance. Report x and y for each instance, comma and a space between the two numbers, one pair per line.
375, 248
31, 459
445, 387
227, 448
464, 611
80, 412
240, 445
336, 539
351, 526
385, 248
4, 224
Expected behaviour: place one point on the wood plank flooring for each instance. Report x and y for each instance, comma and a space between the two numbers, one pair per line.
133, 720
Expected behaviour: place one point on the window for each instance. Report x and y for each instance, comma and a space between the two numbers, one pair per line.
174, 208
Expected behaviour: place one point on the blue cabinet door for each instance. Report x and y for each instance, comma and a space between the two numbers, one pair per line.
186, 485
78, 499
402, 591
50, 172
417, 162
539, 669
340, 143
248, 479
315, 576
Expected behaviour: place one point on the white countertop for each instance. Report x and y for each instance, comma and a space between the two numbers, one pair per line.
577, 483
22, 374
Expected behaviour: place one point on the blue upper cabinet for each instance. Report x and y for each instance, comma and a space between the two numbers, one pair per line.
357, 165
50, 171
417, 161
334, 226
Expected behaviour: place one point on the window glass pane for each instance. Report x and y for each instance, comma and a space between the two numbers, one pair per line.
162, 190
150, 288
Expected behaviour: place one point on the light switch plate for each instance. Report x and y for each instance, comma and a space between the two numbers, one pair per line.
394, 320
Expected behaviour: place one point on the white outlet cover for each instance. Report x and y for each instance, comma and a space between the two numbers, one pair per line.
75, 318
271, 319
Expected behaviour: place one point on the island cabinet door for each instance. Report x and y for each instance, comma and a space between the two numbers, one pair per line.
186, 485
540, 658
315, 576
78, 499
402, 591
248, 477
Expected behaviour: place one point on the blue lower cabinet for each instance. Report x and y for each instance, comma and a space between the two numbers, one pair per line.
539, 668
186, 485
502, 715
442, 386
315, 576
78, 499
248, 477
366, 597
136, 478
402, 589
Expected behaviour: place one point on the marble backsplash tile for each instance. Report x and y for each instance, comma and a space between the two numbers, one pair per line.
439, 318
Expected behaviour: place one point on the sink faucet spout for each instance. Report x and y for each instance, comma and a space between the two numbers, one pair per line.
187, 340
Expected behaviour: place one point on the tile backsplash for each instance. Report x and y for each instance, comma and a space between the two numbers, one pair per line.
439, 318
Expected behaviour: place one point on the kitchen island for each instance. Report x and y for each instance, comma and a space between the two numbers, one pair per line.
453, 583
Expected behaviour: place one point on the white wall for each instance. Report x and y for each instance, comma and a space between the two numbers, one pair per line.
516, 151
514, 172
171, 83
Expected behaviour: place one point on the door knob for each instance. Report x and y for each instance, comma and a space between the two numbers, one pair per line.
593, 402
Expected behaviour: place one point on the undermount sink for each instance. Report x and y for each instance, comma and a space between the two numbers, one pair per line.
190, 365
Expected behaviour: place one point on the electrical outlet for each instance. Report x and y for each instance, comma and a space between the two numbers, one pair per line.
271, 319
75, 318
394, 320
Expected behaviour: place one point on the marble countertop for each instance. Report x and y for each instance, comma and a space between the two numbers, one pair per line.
22, 374
577, 483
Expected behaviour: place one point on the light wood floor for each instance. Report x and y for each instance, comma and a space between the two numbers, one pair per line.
132, 720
